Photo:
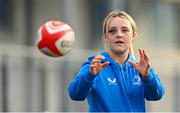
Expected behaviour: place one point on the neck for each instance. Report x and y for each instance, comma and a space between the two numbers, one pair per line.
120, 58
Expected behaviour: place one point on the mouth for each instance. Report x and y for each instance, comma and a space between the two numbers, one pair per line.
119, 42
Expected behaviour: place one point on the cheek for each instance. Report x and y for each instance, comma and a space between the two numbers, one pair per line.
129, 40
130, 37
108, 40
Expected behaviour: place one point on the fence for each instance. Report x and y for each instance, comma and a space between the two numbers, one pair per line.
29, 81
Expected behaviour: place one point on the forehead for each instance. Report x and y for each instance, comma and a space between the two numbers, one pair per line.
119, 22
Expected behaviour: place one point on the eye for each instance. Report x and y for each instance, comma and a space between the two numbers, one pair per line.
125, 30
112, 31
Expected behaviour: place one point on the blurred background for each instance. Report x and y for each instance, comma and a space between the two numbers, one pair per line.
30, 81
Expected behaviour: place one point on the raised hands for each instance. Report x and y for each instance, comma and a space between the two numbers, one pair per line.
96, 65
143, 65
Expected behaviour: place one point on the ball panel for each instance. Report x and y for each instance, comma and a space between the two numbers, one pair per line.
49, 40
65, 43
48, 52
38, 36
55, 28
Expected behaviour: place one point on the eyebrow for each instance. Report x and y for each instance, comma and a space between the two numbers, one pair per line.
112, 27
123, 27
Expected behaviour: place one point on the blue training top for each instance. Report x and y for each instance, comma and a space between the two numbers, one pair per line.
117, 88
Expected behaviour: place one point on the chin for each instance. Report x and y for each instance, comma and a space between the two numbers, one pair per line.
118, 52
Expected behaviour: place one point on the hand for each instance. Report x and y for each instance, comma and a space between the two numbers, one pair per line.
96, 65
143, 65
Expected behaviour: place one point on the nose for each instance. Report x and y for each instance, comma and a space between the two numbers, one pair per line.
119, 34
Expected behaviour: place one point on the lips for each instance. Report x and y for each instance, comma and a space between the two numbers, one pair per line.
119, 42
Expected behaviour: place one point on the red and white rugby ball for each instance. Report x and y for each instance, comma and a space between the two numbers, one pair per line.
55, 38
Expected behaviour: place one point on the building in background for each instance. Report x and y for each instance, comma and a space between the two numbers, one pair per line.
30, 81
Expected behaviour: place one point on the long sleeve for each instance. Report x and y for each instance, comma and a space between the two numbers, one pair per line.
82, 84
153, 88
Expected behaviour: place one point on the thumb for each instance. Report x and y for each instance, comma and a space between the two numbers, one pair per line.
132, 63
105, 64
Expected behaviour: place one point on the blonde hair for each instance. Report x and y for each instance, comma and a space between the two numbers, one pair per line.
122, 14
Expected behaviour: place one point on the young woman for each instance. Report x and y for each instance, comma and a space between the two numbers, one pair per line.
113, 81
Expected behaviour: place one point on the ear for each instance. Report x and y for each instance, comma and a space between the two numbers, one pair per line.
134, 35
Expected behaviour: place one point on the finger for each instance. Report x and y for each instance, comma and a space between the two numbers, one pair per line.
93, 69
99, 57
145, 56
147, 70
133, 64
141, 54
105, 64
148, 65
95, 62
